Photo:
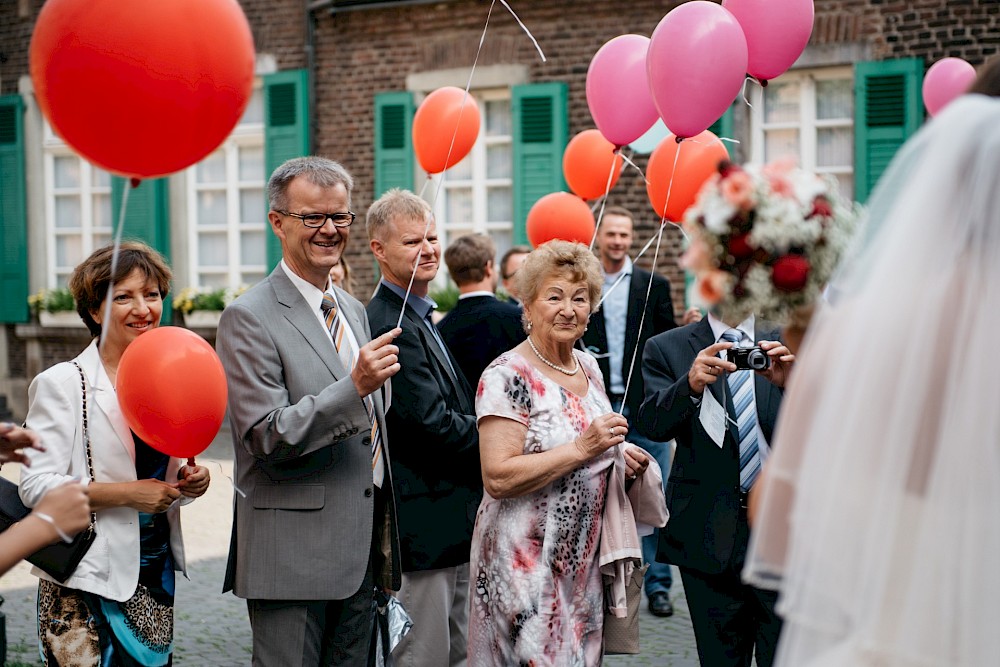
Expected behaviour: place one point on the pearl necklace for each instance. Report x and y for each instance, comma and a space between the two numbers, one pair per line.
576, 363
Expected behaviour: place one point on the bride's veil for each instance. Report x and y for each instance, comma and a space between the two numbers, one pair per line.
880, 522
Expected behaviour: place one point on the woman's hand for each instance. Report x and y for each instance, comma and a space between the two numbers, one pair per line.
603, 433
152, 496
194, 480
636, 462
14, 439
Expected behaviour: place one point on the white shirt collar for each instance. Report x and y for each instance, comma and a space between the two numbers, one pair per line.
719, 327
469, 295
626, 269
309, 292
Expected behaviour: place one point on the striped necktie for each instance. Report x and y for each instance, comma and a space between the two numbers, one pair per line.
349, 357
741, 388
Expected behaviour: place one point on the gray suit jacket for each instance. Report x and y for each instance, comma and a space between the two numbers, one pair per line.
302, 444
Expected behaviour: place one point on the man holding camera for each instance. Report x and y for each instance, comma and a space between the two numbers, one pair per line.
722, 415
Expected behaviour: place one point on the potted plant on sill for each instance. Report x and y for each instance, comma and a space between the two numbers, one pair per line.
202, 307
55, 308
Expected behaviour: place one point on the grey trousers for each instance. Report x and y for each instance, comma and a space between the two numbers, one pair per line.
438, 603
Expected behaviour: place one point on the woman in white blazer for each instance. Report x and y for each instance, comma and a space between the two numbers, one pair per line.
126, 581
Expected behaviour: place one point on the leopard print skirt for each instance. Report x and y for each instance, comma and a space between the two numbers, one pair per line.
78, 629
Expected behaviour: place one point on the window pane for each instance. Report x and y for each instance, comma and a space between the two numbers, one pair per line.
213, 250
100, 178
846, 183
454, 233
251, 278
101, 240
498, 161
461, 171
212, 280
67, 171
498, 118
69, 250
834, 99
252, 206
102, 212
781, 143
252, 248
503, 239
68, 213
255, 108
212, 169
252, 163
781, 103
499, 205
212, 207
834, 147
459, 205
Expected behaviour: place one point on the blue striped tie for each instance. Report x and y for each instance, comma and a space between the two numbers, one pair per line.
741, 388
349, 357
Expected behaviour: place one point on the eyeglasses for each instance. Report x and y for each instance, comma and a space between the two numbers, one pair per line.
316, 220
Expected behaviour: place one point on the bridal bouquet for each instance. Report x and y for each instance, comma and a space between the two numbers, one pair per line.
765, 239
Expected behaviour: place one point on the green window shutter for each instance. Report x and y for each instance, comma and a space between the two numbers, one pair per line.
724, 126
887, 110
286, 129
147, 217
393, 141
541, 131
13, 213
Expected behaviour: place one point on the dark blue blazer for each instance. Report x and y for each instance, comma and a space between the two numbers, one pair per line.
703, 491
478, 330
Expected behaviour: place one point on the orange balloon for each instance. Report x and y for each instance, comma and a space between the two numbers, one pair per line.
142, 89
586, 162
172, 390
560, 215
698, 159
441, 118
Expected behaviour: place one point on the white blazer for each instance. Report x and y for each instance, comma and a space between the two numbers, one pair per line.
111, 567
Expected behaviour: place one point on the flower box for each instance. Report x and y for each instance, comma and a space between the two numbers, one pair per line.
60, 318
202, 318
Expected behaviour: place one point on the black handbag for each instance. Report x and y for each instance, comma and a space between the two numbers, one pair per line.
58, 560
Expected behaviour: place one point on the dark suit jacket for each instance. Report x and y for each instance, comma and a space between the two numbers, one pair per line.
478, 330
703, 489
659, 318
432, 430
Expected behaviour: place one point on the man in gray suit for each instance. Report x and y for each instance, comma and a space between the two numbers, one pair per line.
314, 531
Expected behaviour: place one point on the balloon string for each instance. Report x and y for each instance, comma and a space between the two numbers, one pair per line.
423, 188
114, 267
525, 28
604, 199
642, 320
440, 183
629, 163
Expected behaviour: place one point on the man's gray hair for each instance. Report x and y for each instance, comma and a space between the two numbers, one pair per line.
319, 171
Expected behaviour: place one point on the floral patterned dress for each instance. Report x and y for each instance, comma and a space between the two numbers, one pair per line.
537, 597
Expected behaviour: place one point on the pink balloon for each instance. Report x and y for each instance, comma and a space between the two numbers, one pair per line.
696, 65
618, 91
945, 80
776, 32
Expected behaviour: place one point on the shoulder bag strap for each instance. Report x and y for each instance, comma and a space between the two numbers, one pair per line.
86, 432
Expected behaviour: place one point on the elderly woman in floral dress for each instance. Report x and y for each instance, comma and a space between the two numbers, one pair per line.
547, 441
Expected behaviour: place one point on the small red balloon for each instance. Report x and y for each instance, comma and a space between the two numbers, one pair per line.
172, 390
445, 129
142, 89
560, 215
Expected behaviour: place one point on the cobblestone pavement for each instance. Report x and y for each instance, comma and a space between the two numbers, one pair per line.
212, 629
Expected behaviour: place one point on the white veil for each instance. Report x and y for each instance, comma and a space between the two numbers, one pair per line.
880, 519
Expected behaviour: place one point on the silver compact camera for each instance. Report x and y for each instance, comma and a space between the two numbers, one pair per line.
748, 358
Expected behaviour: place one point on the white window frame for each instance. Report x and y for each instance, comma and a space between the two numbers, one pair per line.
244, 135
808, 125
479, 183
54, 147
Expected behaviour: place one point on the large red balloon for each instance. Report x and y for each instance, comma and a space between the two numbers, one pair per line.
145, 88
588, 160
445, 128
172, 390
681, 175
560, 215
